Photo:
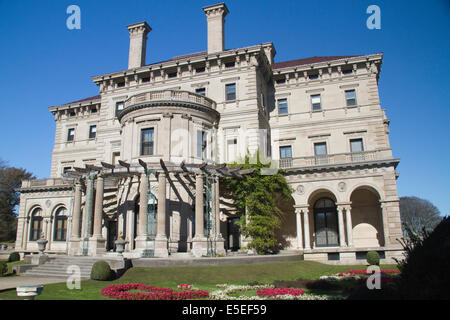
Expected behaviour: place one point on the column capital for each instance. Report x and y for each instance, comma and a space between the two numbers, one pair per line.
301, 208
343, 205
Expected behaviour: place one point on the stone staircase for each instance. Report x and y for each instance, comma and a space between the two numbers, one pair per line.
58, 266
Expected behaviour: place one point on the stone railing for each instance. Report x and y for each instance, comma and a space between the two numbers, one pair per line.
44, 182
331, 159
170, 95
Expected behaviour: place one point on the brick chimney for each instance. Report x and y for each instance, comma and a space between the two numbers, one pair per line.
138, 44
215, 18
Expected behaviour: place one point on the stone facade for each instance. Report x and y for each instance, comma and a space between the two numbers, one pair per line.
319, 119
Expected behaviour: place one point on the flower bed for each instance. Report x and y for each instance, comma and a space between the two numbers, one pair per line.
363, 272
279, 292
122, 292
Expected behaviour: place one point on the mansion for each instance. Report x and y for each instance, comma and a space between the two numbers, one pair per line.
143, 159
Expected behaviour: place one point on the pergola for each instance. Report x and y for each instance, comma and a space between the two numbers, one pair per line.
151, 220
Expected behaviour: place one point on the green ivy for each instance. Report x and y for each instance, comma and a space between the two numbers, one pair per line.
260, 196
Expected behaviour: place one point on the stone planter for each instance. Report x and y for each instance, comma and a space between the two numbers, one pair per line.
41, 245
120, 246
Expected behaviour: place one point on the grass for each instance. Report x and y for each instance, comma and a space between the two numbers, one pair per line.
202, 277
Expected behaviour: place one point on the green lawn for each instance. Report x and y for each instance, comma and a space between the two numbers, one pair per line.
202, 277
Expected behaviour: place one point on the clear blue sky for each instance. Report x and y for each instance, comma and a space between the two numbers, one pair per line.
42, 63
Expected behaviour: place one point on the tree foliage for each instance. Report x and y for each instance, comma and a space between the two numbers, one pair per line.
258, 198
418, 214
10, 179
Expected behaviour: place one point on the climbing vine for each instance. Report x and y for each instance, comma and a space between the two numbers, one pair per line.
257, 197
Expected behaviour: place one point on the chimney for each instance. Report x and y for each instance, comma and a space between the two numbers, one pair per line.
138, 44
215, 18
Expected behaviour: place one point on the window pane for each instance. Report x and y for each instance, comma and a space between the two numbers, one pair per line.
70, 134
285, 152
320, 148
316, 102
350, 96
92, 132
147, 141
119, 106
282, 106
230, 90
201, 91
356, 145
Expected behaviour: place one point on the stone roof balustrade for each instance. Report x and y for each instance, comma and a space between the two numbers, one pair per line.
170, 95
336, 159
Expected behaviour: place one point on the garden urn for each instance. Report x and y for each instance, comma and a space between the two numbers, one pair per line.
41, 245
120, 245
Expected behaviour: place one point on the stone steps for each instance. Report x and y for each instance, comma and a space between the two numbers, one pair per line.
57, 267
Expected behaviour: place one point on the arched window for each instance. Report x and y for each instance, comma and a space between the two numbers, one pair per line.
36, 224
60, 225
326, 224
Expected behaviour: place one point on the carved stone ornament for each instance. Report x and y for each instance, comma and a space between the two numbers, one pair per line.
300, 189
48, 203
342, 186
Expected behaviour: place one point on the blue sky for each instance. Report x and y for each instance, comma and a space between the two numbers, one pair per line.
42, 63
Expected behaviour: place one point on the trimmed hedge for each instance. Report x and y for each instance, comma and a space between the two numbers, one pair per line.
13, 257
101, 271
373, 258
3, 268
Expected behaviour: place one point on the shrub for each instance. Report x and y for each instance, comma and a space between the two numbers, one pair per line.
424, 272
14, 256
373, 258
101, 271
3, 268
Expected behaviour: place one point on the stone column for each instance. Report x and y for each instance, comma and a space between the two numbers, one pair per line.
298, 221
384, 216
306, 223
161, 237
87, 217
199, 245
341, 227
97, 242
142, 236
220, 241
76, 212
348, 219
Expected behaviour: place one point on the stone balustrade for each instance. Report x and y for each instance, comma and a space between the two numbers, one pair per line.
332, 159
170, 95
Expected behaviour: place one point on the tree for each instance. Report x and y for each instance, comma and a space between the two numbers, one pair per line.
418, 214
10, 179
257, 198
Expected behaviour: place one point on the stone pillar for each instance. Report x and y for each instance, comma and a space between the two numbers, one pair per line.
341, 226
87, 216
220, 241
298, 221
199, 245
97, 242
142, 236
384, 216
349, 227
76, 212
161, 237
306, 223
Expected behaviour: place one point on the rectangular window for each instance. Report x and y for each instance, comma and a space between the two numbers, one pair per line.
347, 71
94, 110
285, 152
202, 144
356, 146
119, 107
231, 149
66, 169
230, 90
172, 75
313, 76
121, 84
320, 152
147, 137
350, 97
282, 106
281, 81
71, 134
316, 102
201, 91
92, 132
146, 79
